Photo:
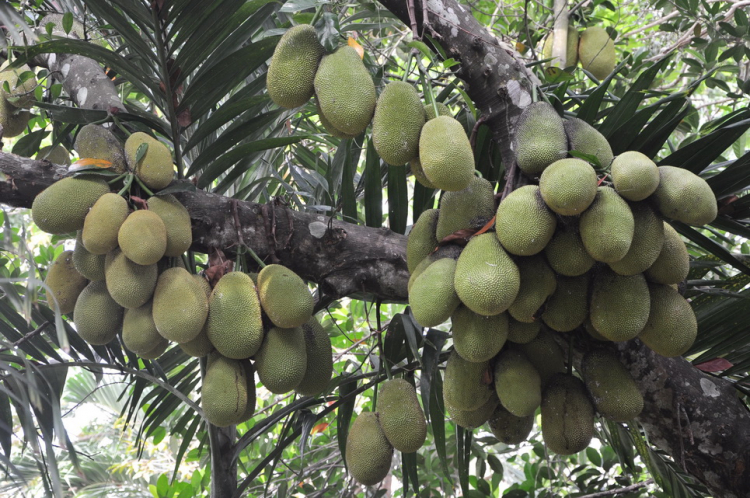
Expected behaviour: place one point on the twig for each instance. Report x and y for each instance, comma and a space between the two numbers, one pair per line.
626, 489
25, 338
510, 180
412, 20
473, 140
652, 24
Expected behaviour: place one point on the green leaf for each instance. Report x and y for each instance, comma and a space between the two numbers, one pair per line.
590, 108
67, 22
653, 137
433, 346
141, 152
348, 198
398, 201
6, 422
709, 245
437, 422
373, 188
344, 415
409, 461
28, 145
733, 179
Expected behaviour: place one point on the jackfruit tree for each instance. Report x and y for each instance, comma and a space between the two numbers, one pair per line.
325, 249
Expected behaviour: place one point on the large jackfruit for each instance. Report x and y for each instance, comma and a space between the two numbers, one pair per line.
103, 222
281, 361
12, 119
596, 51
673, 263
470, 208
671, 327
583, 137
433, 296
508, 428
522, 332
329, 128
177, 222
634, 175
62, 207
368, 452
345, 91
89, 265
445, 154
607, 227
447, 251
319, 359
466, 385
416, 168
143, 237
545, 354
180, 306
55, 154
139, 333
568, 186
478, 338
471, 419
648, 239
292, 71
567, 415
517, 383
130, 285
401, 416
98, 318
540, 138
685, 196
568, 307
21, 86
538, 282
615, 393
64, 283
284, 296
565, 252
234, 323
571, 48
421, 241
155, 169
96, 142
224, 393
619, 305
399, 117
487, 280
524, 224
200, 346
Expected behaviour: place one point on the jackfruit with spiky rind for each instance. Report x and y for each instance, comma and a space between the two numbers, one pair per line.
98, 318
249, 370
96, 142
613, 390
155, 169
607, 227
177, 222
471, 419
131, 285
589, 327
368, 452
21, 93
445, 154
469, 209
451, 251
399, 117
56, 154
89, 265
517, 383
487, 280
64, 283
416, 169
634, 175
442, 109
284, 296
540, 138
234, 325
143, 237
180, 306
157, 351
421, 241
224, 393
508, 428
565, 252
584, 138
62, 207
619, 305
524, 224
12, 119
433, 296
545, 354
538, 282
139, 333
673, 263
329, 127
571, 48
295, 59
568, 306
568, 186
281, 361
596, 51
671, 327
400, 415
103, 222
345, 91
200, 346
319, 359
466, 385
522, 332
567, 415
685, 196
478, 338
648, 239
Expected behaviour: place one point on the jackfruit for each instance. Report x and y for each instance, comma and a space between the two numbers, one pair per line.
433, 296
103, 222
584, 138
565, 252
234, 324
21, 93
55, 154
613, 390
607, 227
589, 327
567, 415
442, 109
517, 383
12, 119
421, 241
368, 452
201, 346
540, 138
478, 338
143, 237
471, 419
281, 361
522, 332
284, 296
329, 127
401, 416
98, 318
89, 265
451, 251
416, 169
619, 305
177, 222
399, 117
596, 51
524, 225
319, 359
466, 385
157, 351
445, 154
648, 239
97, 142
545, 354
634, 175
673, 263
131, 285
224, 393
180, 306
295, 59
671, 327
155, 169
537, 284
139, 333
508, 428
62, 207
345, 91
487, 280
568, 186
567, 307
64, 283
571, 52
685, 196
470, 208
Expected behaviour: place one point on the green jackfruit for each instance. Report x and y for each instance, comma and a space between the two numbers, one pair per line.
634, 175
537, 284
319, 359
64, 283
648, 239
487, 280
21, 85
55, 154
155, 169
671, 327
234, 324
607, 227
103, 222
596, 51
200, 346
517, 383
442, 109
565, 252
584, 138
522, 332
540, 138
281, 361
567, 415
613, 390
545, 354
157, 351
401, 416
143, 237
478, 338
470, 208
290, 76
571, 53
471, 419
433, 296
130, 285
284, 296
524, 225
619, 305
12, 119
139, 333
96, 142
399, 117
673, 263
445, 154
98, 318
508, 428
567, 307
368, 452
329, 127
89, 265
177, 222
62, 207
593, 332
224, 393
421, 241
345, 91
466, 385
416, 168
685, 196
180, 305
568, 186
447, 251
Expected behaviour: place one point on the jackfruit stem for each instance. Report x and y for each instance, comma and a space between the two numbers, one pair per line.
145, 188
117, 178
427, 88
128, 183
255, 256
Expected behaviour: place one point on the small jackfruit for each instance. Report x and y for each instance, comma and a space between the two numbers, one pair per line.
139, 333
224, 393
416, 168
368, 452
281, 361
98, 318
442, 110
433, 296
648, 239
517, 383
143, 237
97, 142
538, 282
177, 222
399, 117
421, 241
540, 138
568, 186
471, 419
567, 307
319, 359
634, 175
571, 48
508, 428
131, 285
234, 324
89, 265
470, 208
445, 154
584, 138
522, 332
524, 224
596, 51
671, 327
57, 154
478, 338
292, 70
565, 252
401, 416
613, 390
607, 227
64, 283
619, 305
180, 305
685, 196
62, 207
103, 222
284, 296
12, 119
466, 385
673, 263
567, 415
545, 354
155, 169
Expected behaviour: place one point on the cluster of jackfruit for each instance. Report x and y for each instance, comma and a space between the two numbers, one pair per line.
14, 103
593, 48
